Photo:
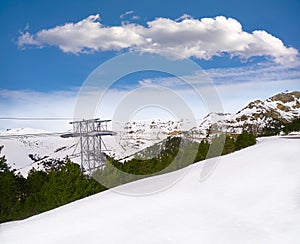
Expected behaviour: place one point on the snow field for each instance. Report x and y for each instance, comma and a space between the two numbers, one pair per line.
253, 196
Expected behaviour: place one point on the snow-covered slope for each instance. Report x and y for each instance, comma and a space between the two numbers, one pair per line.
253, 196
19, 143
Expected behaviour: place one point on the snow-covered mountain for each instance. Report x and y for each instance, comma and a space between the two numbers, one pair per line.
135, 136
283, 107
210, 124
251, 197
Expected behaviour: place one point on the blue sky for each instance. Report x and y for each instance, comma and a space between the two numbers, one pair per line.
39, 65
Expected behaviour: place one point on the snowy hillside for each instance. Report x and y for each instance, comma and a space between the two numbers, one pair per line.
19, 143
206, 127
253, 196
135, 136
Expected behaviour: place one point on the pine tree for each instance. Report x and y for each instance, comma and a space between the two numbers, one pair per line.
229, 145
8, 190
216, 146
244, 140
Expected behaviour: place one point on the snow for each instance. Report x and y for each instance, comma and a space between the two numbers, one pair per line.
22, 131
135, 136
257, 114
253, 196
27, 141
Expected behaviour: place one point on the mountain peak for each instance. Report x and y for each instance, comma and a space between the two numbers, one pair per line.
280, 108
286, 97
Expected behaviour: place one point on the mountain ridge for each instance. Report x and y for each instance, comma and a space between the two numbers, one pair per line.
136, 136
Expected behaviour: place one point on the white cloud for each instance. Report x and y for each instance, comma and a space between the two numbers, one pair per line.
26, 103
262, 72
236, 86
186, 37
27, 39
122, 16
135, 17
145, 82
54, 104
234, 96
87, 35
183, 17
237, 96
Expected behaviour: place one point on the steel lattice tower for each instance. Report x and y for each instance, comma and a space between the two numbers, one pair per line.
92, 146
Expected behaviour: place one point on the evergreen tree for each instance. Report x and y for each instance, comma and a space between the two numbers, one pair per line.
229, 145
216, 147
8, 189
292, 126
244, 140
66, 185
34, 203
202, 151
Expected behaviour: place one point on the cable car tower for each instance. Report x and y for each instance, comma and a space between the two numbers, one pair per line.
92, 146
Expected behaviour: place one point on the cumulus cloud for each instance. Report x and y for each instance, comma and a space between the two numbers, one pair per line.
185, 36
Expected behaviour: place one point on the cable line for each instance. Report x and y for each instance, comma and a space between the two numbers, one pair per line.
32, 135
36, 118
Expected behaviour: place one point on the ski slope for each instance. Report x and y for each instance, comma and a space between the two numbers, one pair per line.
253, 196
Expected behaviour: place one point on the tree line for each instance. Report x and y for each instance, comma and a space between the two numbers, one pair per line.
62, 181
277, 127
176, 154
